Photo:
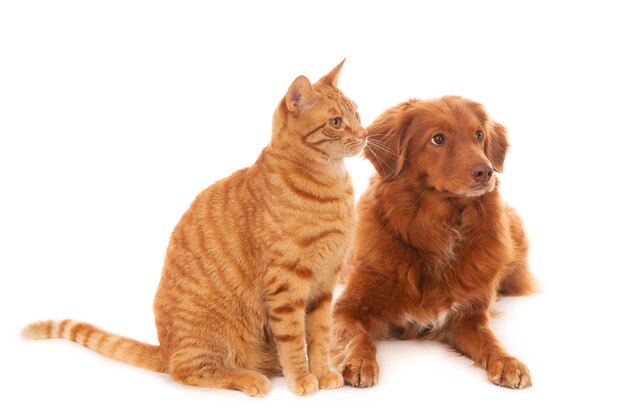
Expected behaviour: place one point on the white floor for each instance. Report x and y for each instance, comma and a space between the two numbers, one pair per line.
570, 373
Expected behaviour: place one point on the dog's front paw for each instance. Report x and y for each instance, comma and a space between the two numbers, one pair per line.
360, 371
509, 372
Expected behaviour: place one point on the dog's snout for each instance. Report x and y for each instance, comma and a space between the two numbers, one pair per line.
481, 172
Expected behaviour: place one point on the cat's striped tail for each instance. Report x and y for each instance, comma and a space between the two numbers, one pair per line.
108, 344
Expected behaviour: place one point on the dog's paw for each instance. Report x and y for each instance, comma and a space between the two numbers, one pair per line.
508, 372
304, 386
360, 371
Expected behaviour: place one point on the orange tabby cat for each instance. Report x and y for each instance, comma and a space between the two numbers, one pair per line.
251, 266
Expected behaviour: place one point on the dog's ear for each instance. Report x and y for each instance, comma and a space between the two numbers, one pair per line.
388, 142
496, 145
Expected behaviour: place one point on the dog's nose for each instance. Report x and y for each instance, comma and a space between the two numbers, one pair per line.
481, 172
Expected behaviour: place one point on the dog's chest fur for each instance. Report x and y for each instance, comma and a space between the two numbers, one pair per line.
448, 277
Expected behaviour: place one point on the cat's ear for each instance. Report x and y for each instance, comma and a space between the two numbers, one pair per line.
300, 94
333, 76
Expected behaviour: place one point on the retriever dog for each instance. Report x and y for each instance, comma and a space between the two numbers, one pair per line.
435, 246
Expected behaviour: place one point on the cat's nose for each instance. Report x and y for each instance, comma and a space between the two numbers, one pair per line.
363, 134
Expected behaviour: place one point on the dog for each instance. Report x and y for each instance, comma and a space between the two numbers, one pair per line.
435, 246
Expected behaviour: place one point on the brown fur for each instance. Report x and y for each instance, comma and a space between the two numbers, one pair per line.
434, 245
251, 266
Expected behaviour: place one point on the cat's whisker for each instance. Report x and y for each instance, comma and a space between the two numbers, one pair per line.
378, 142
382, 148
381, 162
297, 203
378, 138
385, 149
375, 134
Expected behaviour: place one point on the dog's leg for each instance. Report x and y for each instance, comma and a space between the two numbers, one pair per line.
353, 352
474, 337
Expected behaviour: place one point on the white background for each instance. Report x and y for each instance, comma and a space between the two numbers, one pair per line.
114, 115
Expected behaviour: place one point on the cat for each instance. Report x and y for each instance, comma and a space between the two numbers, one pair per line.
250, 268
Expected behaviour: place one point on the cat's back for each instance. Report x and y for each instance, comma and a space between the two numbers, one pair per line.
216, 228
211, 253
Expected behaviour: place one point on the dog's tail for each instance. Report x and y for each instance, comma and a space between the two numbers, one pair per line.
108, 344
517, 279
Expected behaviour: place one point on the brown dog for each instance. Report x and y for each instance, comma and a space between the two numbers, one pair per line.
435, 245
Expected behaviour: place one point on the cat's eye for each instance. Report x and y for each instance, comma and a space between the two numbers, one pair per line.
479, 136
336, 122
438, 139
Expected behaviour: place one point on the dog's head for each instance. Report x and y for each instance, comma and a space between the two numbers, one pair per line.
446, 144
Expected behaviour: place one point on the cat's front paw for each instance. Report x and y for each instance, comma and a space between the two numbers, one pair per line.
331, 380
254, 384
304, 386
360, 371
508, 372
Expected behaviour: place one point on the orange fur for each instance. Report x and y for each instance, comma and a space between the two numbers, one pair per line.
434, 245
251, 266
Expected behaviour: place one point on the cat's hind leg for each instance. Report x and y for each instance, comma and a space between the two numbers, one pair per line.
193, 366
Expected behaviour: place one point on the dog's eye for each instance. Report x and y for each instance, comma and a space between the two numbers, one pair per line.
438, 139
336, 122
479, 136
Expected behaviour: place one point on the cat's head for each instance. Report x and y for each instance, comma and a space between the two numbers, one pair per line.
319, 119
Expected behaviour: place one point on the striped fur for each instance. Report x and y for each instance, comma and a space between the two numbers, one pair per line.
249, 272
111, 345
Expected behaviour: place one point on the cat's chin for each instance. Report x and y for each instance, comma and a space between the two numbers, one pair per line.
347, 153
